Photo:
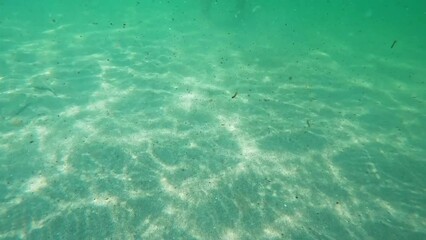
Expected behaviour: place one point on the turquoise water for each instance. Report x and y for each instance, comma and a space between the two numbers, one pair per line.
204, 119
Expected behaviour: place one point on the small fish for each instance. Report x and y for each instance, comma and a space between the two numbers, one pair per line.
308, 123
235, 94
21, 109
393, 44
43, 88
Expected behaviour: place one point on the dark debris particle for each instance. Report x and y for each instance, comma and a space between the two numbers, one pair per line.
31, 141
297, 197
337, 202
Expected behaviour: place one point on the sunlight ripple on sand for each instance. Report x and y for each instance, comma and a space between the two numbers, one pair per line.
35, 184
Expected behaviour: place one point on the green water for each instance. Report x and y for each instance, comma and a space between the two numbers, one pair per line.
212, 119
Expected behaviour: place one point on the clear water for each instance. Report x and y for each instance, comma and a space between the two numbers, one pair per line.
212, 119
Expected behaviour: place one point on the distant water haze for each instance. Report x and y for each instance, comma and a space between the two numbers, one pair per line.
212, 119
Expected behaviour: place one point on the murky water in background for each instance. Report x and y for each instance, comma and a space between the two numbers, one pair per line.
212, 120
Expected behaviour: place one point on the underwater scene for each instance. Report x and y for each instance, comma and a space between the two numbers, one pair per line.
212, 119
